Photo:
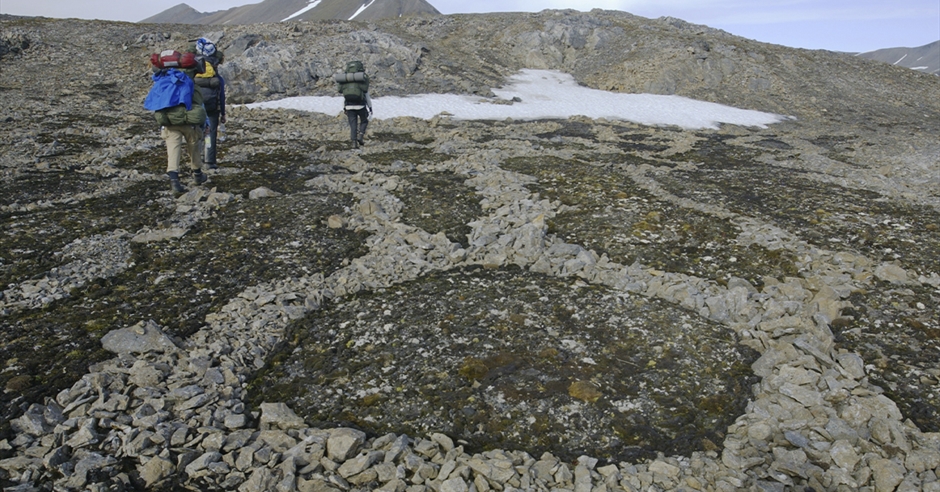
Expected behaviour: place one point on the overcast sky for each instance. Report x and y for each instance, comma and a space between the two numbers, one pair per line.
839, 25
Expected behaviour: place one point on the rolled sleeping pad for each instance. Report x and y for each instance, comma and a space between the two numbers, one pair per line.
350, 77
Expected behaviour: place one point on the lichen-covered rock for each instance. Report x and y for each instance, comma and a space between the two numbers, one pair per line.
141, 338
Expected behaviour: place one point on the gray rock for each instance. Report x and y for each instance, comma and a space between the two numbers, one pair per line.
32, 422
796, 439
196, 402
144, 337
359, 464
156, 470
397, 448
185, 393
454, 485
245, 459
179, 436
262, 192
56, 457
922, 459
852, 364
844, 455
890, 272
280, 416
160, 235
343, 443
139, 444
91, 462
665, 469
279, 441
85, 436
236, 440
806, 396
443, 440
886, 473
582, 479
233, 480
218, 200
146, 374
839, 429
260, 480
19, 464
235, 421
202, 462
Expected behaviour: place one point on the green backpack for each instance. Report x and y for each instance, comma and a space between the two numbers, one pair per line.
354, 92
178, 115
354, 84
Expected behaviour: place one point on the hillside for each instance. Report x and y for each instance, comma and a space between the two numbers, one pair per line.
924, 58
528, 305
297, 10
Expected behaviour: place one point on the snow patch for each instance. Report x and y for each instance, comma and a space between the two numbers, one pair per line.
312, 4
546, 94
361, 9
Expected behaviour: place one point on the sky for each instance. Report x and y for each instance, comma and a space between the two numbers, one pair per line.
547, 94
838, 25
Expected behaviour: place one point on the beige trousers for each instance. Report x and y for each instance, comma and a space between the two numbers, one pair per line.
176, 138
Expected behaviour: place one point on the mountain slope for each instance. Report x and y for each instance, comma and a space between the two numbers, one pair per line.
296, 10
925, 58
180, 14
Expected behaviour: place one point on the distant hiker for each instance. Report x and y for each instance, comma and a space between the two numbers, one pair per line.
354, 86
212, 86
178, 109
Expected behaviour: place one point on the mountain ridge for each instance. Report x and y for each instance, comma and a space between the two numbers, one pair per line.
295, 10
924, 58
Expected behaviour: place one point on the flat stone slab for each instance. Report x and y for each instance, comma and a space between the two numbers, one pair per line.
144, 337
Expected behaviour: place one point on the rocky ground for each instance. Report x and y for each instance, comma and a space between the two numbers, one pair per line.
567, 305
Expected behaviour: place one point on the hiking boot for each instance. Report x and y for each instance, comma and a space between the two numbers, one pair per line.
176, 186
199, 177
211, 165
360, 142
355, 144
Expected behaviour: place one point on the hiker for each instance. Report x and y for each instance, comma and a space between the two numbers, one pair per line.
354, 85
212, 86
179, 110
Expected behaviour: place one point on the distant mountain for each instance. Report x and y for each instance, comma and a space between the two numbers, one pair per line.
180, 14
295, 10
925, 58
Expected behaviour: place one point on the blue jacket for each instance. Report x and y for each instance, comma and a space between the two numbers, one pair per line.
171, 87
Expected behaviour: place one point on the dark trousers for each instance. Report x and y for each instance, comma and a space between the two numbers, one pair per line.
358, 121
210, 153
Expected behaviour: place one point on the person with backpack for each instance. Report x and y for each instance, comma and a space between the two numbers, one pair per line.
354, 86
178, 109
212, 86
